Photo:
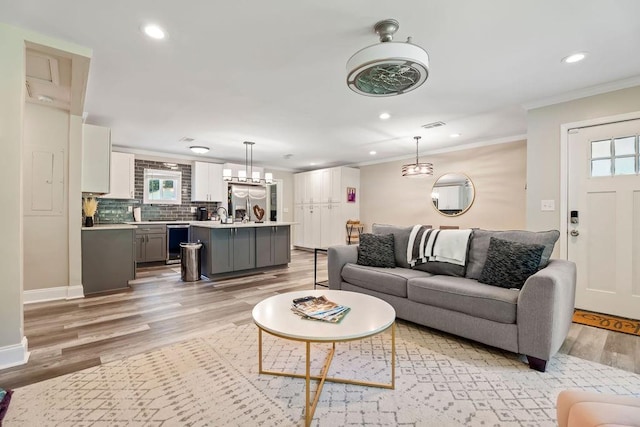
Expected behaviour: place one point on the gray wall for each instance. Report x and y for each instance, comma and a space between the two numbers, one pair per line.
543, 147
498, 174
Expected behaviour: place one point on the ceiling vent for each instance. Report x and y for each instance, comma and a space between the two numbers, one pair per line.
185, 139
433, 125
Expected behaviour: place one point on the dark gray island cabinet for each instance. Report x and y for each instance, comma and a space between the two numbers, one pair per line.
108, 258
231, 248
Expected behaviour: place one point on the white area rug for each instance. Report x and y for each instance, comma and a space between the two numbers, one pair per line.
213, 381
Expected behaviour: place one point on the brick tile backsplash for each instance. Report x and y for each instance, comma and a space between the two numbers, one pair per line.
111, 211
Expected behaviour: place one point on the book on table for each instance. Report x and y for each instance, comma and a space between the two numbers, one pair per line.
319, 308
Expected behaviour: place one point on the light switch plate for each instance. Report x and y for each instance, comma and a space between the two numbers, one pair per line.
547, 205
194, 209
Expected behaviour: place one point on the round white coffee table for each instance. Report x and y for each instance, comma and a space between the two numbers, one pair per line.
368, 316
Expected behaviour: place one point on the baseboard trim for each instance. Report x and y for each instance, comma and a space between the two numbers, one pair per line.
14, 355
53, 294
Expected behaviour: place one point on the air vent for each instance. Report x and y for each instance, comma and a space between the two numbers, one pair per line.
185, 139
433, 125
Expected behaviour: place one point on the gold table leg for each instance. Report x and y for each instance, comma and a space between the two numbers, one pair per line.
310, 408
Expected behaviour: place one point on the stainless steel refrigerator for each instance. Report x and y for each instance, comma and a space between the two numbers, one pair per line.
248, 200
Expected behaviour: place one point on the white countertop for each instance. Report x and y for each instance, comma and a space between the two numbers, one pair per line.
217, 224
99, 227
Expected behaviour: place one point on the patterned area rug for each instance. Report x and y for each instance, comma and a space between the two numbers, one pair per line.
212, 381
606, 321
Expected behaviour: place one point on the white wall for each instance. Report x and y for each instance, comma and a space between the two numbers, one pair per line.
498, 174
12, 345
543, 147
46, 237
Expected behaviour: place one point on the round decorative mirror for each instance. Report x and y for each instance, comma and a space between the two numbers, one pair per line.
453, 194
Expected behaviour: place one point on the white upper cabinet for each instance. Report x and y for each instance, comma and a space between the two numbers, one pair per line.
122, 176
96, 155
206, 182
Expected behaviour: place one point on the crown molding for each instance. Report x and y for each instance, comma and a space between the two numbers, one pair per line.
583, 93
461, 147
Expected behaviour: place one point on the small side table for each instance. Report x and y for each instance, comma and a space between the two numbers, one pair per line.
324, 283
353, 233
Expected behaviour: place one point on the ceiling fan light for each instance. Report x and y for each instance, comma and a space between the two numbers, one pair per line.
387, 68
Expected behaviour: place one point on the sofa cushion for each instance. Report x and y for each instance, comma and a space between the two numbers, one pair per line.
465, 296
480, 245
509, 264
401, 240
446, 268
392, 281
376, 250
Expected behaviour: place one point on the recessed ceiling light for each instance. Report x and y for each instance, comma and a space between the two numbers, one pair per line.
373, 153
45, 98
384, 116
154, 31
312, 164
455, 135
576, 57
199, 149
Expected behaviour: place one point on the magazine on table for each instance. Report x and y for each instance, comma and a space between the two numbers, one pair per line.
319, 308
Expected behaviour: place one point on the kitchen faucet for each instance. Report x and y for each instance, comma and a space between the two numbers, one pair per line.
226, 214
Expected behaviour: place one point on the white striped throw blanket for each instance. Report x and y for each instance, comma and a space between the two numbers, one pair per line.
426, 244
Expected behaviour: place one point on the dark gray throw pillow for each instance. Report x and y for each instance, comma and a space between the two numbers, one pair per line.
509, 264
376, 250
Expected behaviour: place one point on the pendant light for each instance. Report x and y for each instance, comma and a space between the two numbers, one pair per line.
248, 174
417, 169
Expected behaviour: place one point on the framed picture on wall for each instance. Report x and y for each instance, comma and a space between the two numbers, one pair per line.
351, 194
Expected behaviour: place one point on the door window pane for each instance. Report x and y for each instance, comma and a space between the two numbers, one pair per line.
625, 165
601, 167
625, 146
600, 149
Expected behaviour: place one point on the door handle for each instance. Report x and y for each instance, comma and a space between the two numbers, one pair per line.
574, 233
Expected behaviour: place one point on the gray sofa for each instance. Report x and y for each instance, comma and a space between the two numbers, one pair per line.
533, 321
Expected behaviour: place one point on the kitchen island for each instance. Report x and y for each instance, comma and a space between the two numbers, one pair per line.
241, 248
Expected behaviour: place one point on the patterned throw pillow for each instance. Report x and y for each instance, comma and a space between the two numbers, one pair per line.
376, 250
509, 264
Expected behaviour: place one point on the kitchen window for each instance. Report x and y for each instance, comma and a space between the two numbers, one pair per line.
162, 187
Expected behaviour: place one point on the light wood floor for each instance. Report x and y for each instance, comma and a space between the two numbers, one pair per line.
160, 309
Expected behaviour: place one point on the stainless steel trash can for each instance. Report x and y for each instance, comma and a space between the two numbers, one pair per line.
190, 261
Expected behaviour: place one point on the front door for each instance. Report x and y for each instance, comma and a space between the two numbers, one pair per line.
604, 220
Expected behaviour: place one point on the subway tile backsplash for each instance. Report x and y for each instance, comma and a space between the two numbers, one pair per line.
111, 211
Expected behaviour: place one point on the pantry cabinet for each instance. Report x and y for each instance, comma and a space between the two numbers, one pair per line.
321, 207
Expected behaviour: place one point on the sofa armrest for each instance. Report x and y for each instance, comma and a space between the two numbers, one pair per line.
545, 309
337, 257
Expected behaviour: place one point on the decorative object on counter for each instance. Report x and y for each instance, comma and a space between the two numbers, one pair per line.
258, 212
137, 214
89, 208
417, 169
248, 175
